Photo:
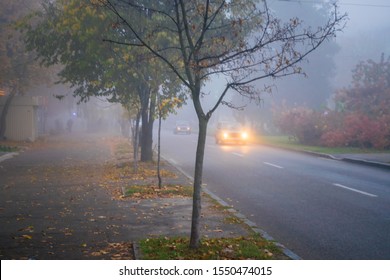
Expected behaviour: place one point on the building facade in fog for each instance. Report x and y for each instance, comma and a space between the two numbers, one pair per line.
24, 119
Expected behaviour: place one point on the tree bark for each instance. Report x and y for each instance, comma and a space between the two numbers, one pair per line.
159, 148
136, 137
4, 113
197, 205
146, 138
148, 103
197, 188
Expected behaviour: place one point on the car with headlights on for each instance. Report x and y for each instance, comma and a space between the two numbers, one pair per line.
182, 127
231, 132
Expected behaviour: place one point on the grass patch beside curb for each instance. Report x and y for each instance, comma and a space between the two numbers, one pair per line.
154, 191
240, 248
285, 142
8, 149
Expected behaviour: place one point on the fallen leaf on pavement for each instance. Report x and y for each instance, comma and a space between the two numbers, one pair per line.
26, 236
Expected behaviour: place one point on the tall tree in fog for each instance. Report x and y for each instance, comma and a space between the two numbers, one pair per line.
18, 69
369, 93
358, 48
314, 88
70, 33
239, 40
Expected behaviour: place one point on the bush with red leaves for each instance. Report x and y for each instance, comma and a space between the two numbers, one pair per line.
361, 118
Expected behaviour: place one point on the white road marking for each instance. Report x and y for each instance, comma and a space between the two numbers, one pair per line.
354, 190
7, 156
174, 162
177, 166
273, 165
238, 154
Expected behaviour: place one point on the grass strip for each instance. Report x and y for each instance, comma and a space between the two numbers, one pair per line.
239, 248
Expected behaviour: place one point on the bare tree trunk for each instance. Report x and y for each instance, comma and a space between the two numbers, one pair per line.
197, 205
135, 133
147, 116
4, 113
159, 149
146, 139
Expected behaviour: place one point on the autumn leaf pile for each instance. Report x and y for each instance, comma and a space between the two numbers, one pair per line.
127, 182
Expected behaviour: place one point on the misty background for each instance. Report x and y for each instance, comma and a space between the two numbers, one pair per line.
366, 36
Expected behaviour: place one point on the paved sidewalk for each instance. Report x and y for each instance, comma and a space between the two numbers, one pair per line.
56, 202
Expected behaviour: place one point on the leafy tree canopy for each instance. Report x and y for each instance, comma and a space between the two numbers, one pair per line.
71, 33
17, 67
369, 92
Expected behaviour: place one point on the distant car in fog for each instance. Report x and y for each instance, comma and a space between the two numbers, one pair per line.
182, 127
231, 132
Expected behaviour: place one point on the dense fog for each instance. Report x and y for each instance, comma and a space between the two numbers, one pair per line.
365, 37
329, 68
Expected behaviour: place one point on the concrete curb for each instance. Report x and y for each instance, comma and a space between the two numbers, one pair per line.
347, 159
8, 156
137, 251
367, 163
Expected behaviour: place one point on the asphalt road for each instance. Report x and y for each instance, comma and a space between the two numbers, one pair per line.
318, 208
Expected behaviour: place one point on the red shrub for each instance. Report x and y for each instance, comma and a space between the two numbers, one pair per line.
335, 129
333, 138
362, 131
301, 123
